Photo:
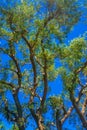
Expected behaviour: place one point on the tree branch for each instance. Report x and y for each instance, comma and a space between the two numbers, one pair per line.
37, 60
3, 68
72, 107
47, 20
17, 103
32, 59
67, 114
44, 80
58, 121
84, 106
7, 83
10, 113
84, 122
81, 68
27, 42
17, 66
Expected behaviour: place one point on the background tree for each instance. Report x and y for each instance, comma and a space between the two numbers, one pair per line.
32, 38
74, 75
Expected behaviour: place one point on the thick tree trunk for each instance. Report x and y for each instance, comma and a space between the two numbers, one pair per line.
40, 123
38, 119
20, 123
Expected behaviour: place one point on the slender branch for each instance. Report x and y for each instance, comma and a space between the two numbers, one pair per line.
84, 106
64, 109
81, 68
10, 113
17, 103
15, 95
72, 107
81, 91
75, 104
37, 60
38, 97
9, 69
74, 101
18, 71
3, 50
27, 42
78, 111
45, 79
11, 51
32, 59
67, 114
7, 83
34, 116
16, 64
45, 84
47, 20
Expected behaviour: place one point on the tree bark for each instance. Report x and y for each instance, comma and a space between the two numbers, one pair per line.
84, 106
81, 116
40, 124
67, 115
19, 111
58, 121
38, 119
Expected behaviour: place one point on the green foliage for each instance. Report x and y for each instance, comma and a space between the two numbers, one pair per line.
74, 51
71, 57
85, 71
14, 127
2, 126
34, 40
70, 81
56, 102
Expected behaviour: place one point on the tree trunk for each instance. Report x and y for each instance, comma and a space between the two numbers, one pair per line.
58, 121
40, 124
81, 116
38, 119
20, 123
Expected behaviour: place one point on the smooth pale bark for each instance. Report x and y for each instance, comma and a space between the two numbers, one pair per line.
81, 116
84, 106
67, 114
40, 123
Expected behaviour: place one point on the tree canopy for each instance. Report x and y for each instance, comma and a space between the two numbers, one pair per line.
33, 35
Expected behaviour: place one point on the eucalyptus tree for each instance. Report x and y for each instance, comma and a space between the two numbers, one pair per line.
74, 75
32, 35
